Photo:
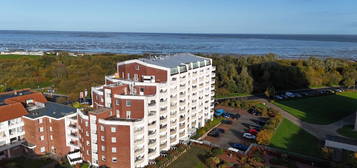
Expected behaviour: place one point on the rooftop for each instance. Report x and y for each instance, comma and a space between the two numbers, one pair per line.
52, 109
7, 95
172, 61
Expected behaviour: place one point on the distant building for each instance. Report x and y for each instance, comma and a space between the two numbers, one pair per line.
38, 53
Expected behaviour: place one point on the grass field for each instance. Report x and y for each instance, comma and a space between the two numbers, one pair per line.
18, 56
232, 95
292, 138
348, 131
23, 162
322, 109
191, 158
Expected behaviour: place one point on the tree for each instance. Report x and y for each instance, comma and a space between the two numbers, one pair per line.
270, 92
244, 81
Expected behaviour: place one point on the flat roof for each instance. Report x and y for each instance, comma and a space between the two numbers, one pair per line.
12, 94
52, 109
172, 61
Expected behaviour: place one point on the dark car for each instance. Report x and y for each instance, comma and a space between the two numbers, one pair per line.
254, 111
229, 122
240, 146
219, 130
213, 133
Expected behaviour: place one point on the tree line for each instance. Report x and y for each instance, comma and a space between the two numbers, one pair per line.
258, 74
244, 74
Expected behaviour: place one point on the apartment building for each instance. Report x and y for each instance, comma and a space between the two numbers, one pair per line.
29, 122
148, 106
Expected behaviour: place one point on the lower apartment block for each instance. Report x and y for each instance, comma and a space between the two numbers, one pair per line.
30, 122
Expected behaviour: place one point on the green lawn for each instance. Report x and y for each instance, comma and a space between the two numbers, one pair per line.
18, 56
232, 95
191, 158
292, 138
348, 131
23, 162
322, 109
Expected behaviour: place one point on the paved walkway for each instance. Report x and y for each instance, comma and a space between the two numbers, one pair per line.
319, 131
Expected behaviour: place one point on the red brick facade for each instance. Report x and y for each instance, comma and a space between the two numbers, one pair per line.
53, 133
128, 70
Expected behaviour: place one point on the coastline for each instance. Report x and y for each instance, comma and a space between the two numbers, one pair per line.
75, 54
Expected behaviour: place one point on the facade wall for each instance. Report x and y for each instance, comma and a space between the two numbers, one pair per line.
128, 70
136, 108
122, 146
49, 135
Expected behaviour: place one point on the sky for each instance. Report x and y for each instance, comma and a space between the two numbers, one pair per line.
182, 16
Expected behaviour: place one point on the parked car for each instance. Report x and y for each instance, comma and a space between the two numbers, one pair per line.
240, 146
229, 122
298, 95
248, 135
253, 131
230, 115
213, 133
219, 130
254, 112
289, 94
278, 97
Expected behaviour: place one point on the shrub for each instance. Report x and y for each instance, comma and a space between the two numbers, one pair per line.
264, 136
212, 162
216, 151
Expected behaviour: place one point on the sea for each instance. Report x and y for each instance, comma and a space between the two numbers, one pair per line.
284, 45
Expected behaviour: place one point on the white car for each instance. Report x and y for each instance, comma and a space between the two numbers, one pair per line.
249, 135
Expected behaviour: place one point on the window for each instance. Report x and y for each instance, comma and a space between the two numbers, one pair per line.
137, 67
128, 114
113, 129
114, 139
101, 128
141, 89
41, 129
51, 129
114, 159
40, 120
87, 143
136, 78
103, 148
87, 133
42, 138
117, 113
42, 149
117, 101
51, 137
114, 150
102, 138
103, 158
128, 103
50, 120
129, 76
86, 123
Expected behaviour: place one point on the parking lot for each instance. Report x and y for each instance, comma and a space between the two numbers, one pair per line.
233, 132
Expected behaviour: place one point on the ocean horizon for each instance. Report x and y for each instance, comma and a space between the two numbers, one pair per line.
284, 45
